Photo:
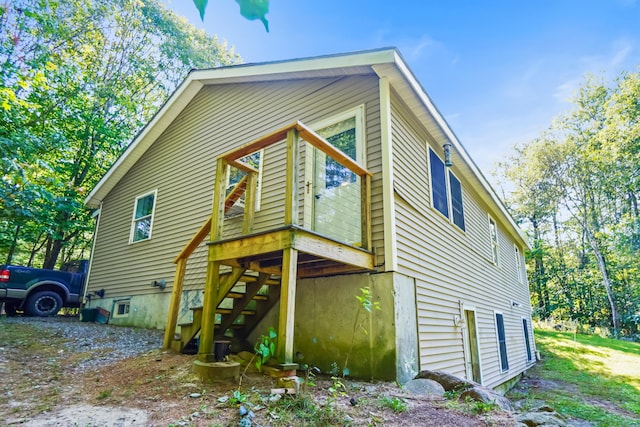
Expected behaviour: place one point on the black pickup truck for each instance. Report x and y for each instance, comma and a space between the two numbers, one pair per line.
39, 292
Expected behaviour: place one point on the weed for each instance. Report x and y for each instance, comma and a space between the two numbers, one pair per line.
104, 394
366, 303
395, 404
265, 348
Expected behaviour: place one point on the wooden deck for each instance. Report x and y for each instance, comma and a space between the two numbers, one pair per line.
317, 255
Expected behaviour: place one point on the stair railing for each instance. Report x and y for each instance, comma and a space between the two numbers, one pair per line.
181, 260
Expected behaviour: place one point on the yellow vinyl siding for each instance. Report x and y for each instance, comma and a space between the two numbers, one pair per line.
452, 267
181, 165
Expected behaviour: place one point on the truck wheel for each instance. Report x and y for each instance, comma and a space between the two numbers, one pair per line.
43, 304
11, 309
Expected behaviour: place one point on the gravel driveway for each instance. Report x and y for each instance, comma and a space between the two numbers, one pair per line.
122, 342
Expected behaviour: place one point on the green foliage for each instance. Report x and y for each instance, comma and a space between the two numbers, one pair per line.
78, 79
393, 403
265, 348
368, 304
587, 369
576, 188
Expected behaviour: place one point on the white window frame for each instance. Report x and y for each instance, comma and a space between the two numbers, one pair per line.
494, 239
506, 349
447, 178
239, 211
118, 304
518, 262
134, 220
361, 152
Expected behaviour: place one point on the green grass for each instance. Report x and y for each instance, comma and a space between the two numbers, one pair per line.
598, 378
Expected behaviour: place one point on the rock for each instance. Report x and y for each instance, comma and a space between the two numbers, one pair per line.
487, 395
448, 381
195, 395
533, 419
423, 386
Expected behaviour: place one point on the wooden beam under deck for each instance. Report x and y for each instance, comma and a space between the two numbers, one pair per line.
318, 255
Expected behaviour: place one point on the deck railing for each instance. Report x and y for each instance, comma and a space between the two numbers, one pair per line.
291, 135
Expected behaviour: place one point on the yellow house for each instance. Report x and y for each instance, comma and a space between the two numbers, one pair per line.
270, 195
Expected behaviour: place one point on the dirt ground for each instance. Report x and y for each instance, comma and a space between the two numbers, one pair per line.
42, 386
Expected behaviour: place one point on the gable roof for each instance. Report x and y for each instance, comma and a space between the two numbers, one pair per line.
386, 62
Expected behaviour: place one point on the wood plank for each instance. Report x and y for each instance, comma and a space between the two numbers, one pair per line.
286, 318
365, 219
242, 166
250, 202
323, 145
250, 246
230, 310
258, 144
217, 213
345, 254
227, 284
208, 310
174, 304
291, 178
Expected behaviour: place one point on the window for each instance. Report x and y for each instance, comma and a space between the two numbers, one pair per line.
142, 223
502, 342
235, 175
493, 232
518, 264
444, 196
122, 309
527, 342
332, 203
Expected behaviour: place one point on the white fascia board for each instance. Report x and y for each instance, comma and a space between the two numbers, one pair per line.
235, 73
256, 72
450, 135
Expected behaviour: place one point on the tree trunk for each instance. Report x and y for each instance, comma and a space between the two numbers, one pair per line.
14, 243
602, 266
52, 254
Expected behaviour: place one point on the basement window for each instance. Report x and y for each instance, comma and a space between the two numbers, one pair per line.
122, 309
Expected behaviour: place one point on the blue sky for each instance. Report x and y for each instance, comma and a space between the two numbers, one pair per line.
498, 71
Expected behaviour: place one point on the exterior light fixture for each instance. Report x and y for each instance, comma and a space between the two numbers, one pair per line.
447, 154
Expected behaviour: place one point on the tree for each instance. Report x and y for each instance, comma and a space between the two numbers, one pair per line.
583, 176
78, 80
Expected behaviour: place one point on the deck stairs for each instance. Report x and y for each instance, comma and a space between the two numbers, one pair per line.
237, 314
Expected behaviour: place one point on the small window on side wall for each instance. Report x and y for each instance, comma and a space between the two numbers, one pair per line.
142, 223
493, 234
502, 342
446, 196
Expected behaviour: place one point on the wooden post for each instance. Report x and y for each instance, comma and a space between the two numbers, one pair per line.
365, 202
174, 305
207, 328
250, 202
291, 186
284, 348
213, 268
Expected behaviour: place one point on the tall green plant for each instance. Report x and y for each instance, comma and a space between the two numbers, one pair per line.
366, 305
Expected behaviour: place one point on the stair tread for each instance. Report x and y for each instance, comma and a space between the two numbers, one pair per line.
230, 310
